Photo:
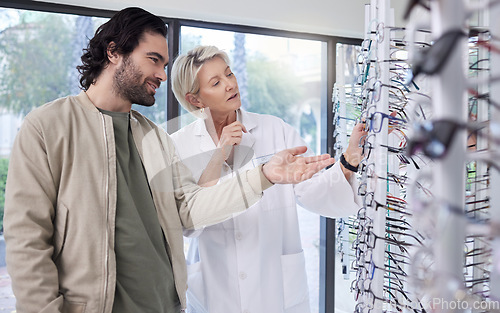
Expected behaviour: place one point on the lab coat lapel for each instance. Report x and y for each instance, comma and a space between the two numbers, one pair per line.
205, 142
244, 152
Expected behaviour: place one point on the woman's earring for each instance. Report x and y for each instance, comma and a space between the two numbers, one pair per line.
201, 110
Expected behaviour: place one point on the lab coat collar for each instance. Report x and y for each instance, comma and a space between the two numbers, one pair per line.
244, 153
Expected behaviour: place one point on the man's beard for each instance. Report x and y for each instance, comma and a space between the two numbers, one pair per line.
127, 84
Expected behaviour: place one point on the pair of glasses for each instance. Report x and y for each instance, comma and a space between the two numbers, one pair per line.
337, 119
371, 239
484, 96
488, 45
391, 204
402, 233
412, 4
376, 121
475, 66
433, 138
399, 152
389, 297
475, 227
366, 46
478, 281
431, 60
402, 225
366, 267
366, 146
360, 285
400, 180
481, 251
373, 91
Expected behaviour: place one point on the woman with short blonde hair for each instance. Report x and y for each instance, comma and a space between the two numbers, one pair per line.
253, 262
185, 70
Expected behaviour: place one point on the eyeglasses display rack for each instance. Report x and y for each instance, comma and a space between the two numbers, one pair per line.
494, 13
426, 237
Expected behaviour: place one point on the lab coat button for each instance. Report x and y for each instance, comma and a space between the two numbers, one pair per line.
239, 236
243, 275
246, 311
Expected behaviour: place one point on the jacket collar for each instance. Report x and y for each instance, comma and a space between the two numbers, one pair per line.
85, 102
244, 153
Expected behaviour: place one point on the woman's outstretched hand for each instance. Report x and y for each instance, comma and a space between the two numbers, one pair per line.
287, 167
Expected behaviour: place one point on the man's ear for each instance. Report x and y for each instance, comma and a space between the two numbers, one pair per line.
113, 55
194, 100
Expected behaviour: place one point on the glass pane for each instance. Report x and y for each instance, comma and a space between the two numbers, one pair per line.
39, 52
282, 77
346, 110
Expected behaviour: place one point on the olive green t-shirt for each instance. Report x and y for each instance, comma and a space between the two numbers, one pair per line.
144, 278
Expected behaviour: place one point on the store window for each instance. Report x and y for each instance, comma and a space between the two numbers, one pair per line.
39, 52
283, 77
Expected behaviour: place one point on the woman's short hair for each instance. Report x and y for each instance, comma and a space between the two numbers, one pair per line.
185, 70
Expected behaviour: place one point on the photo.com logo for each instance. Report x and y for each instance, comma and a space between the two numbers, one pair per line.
440, 304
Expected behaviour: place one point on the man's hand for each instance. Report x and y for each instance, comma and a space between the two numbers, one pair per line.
286, 167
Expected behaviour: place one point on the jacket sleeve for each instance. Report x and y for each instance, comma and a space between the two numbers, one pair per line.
328, 192
28, 228
204, 206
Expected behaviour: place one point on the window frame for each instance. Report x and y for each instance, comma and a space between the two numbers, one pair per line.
327, 225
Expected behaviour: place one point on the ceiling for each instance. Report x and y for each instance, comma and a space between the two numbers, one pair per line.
344, 18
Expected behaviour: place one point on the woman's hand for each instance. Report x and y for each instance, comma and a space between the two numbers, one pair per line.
354, 151
286, 167
231, 136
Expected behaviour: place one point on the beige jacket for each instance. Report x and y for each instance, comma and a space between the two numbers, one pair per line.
61, 203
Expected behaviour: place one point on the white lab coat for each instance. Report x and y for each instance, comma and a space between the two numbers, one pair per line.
254, 262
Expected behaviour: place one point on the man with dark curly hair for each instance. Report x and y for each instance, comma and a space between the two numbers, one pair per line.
96, 199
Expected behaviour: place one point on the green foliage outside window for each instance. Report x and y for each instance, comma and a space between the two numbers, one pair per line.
39, 53
4, 164
34, 62
272, 89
